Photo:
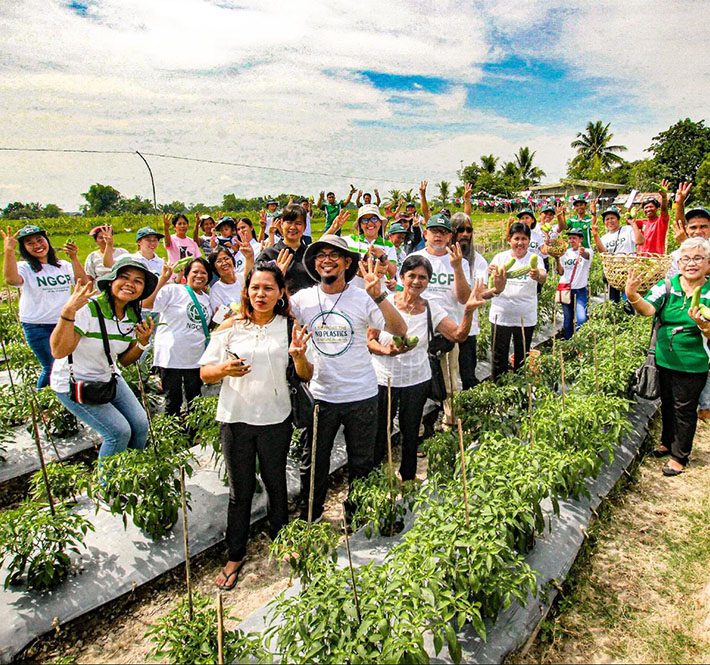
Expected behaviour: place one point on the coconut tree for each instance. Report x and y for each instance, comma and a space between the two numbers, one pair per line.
489, 163
528, 172
594, 149
409, 196
444, 191
394, 195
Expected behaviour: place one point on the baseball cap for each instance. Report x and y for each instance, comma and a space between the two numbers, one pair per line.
578, 199
547, 208
396, 228
651, 199
611, 210
575, 232
147, 231
526, 211
698, 211
440, 221
30, 230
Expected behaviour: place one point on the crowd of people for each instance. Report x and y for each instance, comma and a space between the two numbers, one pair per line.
356, 317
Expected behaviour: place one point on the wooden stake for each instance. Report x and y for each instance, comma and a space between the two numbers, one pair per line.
463, 473
613, 334
314, 447
9, 369
526, 369
452, 403
350, 565
596, 365
220, 630
185, 542
144, 399
562, 378
554, 325
493, 347
41, 459
389, 432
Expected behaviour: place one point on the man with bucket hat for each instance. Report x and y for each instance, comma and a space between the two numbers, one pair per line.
344, 384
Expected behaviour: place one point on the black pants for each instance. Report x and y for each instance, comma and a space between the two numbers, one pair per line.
501, 347
359, 420
467, 363
614, 294
680, 393
173, 381
241, 443
410, 403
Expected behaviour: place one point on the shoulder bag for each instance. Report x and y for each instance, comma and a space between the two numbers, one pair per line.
200, 313
302, 402
647, 383
563, 295
437, 385
94, 392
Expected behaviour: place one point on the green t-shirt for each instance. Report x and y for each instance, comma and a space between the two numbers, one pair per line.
680, 345
332, 210
585, 224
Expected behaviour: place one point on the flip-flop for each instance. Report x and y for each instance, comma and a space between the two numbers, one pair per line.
235, 574
660, 453
668, 471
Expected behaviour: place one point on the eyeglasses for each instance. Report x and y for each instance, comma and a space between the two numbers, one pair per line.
685, 260
224, 259
333, 256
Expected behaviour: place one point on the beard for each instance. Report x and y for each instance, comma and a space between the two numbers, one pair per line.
329, 279
465, 246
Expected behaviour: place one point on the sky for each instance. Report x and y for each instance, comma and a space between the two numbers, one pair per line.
377, 94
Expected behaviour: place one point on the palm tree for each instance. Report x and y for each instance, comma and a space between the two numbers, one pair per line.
409, 196
444, 191
394, 195
489, 163
593, 146
529, 174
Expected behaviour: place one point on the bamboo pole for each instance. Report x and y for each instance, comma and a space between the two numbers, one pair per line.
526, 369
350, 566
493, 347
613, 334
596, 365
185, 540
562, 378
9, 369
389, 433
314, 447
41, 459
452, 401
463, 474
220, 630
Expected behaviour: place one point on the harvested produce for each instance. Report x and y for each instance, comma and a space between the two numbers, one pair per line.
180, 265
411, 341
519, 272
695, 300
533, 262
509, 264
704, 312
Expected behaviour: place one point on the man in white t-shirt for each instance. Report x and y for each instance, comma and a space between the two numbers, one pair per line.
573, 268
307, 234
450, 286
344, 384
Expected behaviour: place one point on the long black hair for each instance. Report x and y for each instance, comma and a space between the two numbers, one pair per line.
34, 262
282, 307
250, 224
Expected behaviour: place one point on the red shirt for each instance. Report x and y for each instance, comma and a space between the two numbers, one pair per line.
654, 234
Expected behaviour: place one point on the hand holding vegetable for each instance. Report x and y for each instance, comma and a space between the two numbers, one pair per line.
71, 249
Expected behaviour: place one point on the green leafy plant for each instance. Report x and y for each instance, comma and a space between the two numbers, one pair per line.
308, 548
145, 485
67, 481
52, 416
181, 639
150, 382
36, 543
202, 420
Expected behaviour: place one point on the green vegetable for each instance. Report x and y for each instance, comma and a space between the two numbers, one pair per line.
547, 228
180, 265
398, 341
509, 264
695, 301
704, 312
519, 272
491, 280
411, 341
533, 262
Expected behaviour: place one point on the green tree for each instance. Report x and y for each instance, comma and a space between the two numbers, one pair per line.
529, 173
595, 155
393, 195
644, 175
470, 173
702, 180
489, 163
101, 199
410, 197
173, 207
51, 210
444, 191
137, 206
681, 149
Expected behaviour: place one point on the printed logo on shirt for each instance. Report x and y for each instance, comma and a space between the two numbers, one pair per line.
48, 280
333, 333
441, 279
194, 316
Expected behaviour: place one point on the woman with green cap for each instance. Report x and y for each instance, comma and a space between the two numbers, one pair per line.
46, 284
91, 334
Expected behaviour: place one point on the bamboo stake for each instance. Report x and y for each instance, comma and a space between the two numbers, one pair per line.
562, 378
45, 425
493, 348
220, 630
314, 447
185, 543
9, 369
41, 459
452, 403
526, 369
463, 474
389, 432
554, 324
350, 565
596, 365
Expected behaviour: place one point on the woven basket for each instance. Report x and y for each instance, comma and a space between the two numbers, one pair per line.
652, 268
557, 247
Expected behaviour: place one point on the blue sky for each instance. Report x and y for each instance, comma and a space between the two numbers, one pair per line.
399, 91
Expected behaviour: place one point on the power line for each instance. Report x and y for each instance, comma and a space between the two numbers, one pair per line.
210, 161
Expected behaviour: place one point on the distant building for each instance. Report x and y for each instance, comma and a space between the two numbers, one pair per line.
622, 199
605, 191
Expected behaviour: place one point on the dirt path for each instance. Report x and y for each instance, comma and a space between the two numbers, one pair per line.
640, 591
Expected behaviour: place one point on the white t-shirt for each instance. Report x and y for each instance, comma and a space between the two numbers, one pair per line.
90, 362
180, 343
94, 263
518, 299
222, 293
441, 285
479, 270
239, 259
44, 293
155, 265
338, 349
262, 396
537, 240
581, 275
621, 241
411, 368
307, 232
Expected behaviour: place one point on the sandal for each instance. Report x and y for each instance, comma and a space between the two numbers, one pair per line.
660, 452
235, 574
668, 471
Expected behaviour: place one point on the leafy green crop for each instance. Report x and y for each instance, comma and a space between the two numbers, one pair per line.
67, 482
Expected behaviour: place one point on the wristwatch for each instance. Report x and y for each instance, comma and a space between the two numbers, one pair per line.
380, 298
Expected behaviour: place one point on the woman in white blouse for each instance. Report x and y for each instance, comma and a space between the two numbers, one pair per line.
407, 367
249, 353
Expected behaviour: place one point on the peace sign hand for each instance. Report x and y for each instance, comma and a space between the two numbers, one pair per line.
339, 221
10, 239
633, 282
82, 293
455, 255
299, 340
283, 260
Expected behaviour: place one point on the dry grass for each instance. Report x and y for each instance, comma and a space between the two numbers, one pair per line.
640, 592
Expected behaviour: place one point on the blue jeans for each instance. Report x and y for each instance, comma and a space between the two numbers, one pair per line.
37, 336
121, 423
705, 396
578, 305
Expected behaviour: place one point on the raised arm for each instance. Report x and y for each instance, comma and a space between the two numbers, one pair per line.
461, 286
426, 213
679, 232
165, 276
9, 266
349, 197
595, 234
64, 338
196, 230
467, 191
459, 333
633, 282
378, 200
394, 323
665, 184
359, 196
72, 251
321, 196
560, 216
108, 247
166, 230
338, 222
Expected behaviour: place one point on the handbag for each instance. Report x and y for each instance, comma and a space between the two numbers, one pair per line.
200, 313
647, 383
437, 385
302, 402
563, 295
94, 392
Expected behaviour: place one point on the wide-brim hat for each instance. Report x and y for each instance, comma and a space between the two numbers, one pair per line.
330, 240
369, 209
30, 230
151, 281
698, 211
611, 211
